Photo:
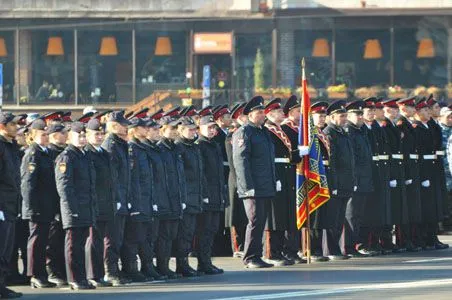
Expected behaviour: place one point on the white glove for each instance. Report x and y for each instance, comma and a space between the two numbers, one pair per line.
135, 213
408, 182
303, 150
74, 215
129, 205
250, 193
426, 183
2, 216
205, 200
355, 188
278, 186
334, 192
155, 207
184, 206
118, 205
393, 183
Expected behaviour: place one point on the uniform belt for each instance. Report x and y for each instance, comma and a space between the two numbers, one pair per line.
397, 156
282, 160
226, 164
440, 153
414, 156
326, 162
430, 156
376, 157
383, 157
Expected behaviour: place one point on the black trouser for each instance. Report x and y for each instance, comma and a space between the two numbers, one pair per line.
152, 235
114, 237
36, 249
273, 243
336, 212
292, 242
207, 225
167, 234
316, 241
75, 251
256, 212
354, 214
429, 231
134, 243
237, 238
7, 234
185, 234
55, 249
95, 259
20, 243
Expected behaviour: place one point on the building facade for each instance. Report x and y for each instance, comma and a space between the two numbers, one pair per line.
116, 53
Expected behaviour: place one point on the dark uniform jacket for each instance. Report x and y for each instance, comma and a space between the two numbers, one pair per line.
76, 184
213, 174
254, 161
283, 207
362, 157
120, 166
9, 178
191, 156
411, 162
104, 183
175, 180
399, 208
341, 171
40, 200
141, 182
159, 192
55, 150
220, 138
427, 167
291, 130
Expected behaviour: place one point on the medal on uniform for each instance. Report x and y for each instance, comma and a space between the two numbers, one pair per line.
31, 167
62, 167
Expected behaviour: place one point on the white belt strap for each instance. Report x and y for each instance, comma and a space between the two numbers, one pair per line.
440, 153
383, 157
414, 156
282, 160
376, 158
397, 156
430, 156
226, 164
326, 162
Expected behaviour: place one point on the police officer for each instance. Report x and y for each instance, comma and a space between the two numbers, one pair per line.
191, 156
75, 180
140, 200
106, 206
399, 208
254, 155
279, 208
55, 249
159, 196
342, 176
116, 145
235, 216
214, 195
9, 196
354, 214
445, 121
170, 211
411, 162
40, 201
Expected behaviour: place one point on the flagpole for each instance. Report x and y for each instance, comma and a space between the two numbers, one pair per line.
304, 110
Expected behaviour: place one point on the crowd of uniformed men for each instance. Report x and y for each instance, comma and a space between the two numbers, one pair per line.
93, 202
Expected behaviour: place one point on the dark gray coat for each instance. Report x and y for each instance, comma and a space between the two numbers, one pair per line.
9, 178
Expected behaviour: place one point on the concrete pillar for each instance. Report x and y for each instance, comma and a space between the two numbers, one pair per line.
286, 58
23, 78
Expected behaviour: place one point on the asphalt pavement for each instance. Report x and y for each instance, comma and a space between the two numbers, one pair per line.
402, 276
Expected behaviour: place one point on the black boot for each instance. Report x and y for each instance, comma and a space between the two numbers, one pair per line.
183, 267
131, 272
149, 271
163, 268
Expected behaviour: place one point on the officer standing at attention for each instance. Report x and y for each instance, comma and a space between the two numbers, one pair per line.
9, 196
342, 180
191, 156
116, 145
254, 161
75, 180
40, 201
214, 195
104, 189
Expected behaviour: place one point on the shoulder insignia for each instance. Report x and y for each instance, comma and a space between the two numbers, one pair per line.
31, 167
240, 142
62, 167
